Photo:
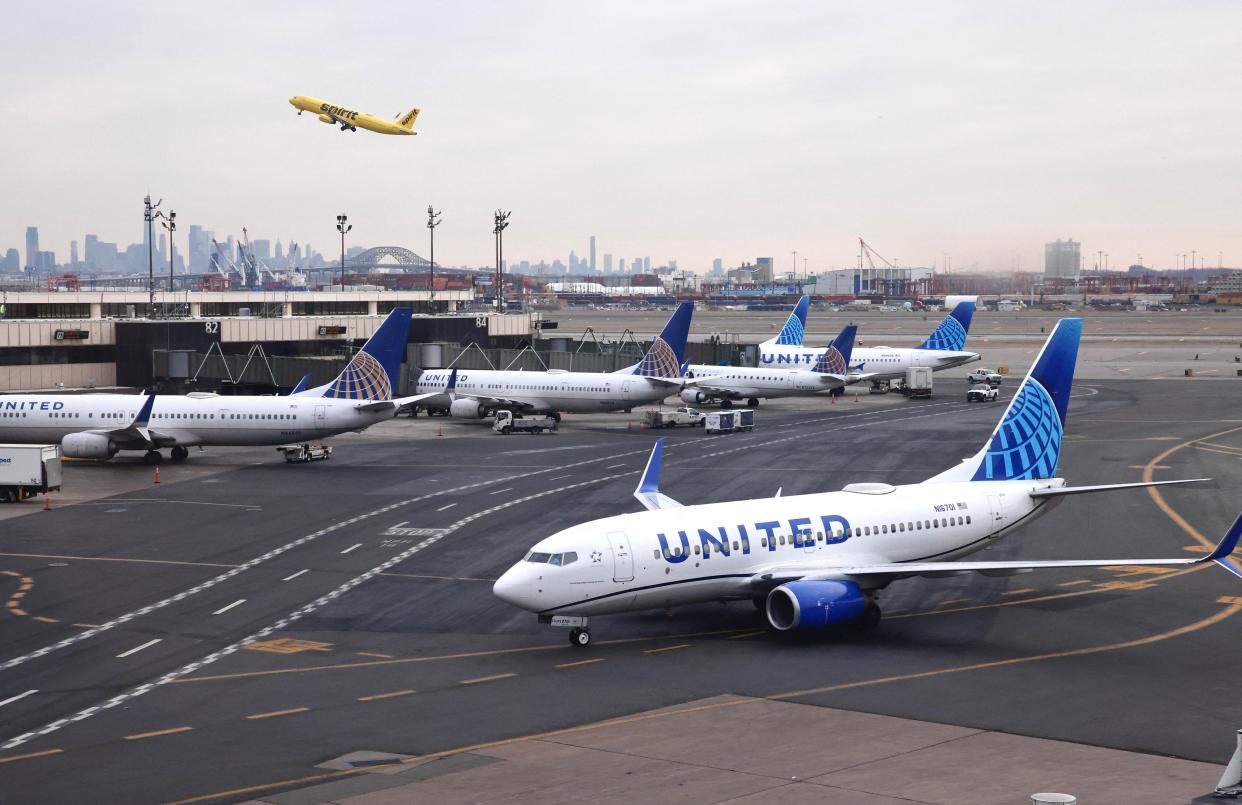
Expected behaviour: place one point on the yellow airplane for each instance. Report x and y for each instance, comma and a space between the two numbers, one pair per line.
350, 120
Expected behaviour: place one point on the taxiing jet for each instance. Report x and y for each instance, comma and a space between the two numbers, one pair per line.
477, 393
943, 349
100, 425
812, 561
730, 383
351, 120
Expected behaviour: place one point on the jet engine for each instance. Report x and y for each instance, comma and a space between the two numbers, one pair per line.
467, 409
692, 397
814, 604
326, 119
88, 445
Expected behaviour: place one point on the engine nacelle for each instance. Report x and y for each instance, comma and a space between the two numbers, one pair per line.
814, 604
87, 445
326, 119
692, 397
467, 409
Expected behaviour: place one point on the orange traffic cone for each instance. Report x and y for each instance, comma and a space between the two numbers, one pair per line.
834, 398
440, 431
47, 503
856, 396
157, 473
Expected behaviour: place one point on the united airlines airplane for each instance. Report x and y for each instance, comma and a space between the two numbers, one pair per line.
99, 425
482, 392
943, 349
811, 561
729, 383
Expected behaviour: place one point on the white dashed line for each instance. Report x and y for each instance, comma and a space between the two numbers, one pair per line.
294, 576
12, 699
446, 508
352, 548
137, 649
223, 610
498, 491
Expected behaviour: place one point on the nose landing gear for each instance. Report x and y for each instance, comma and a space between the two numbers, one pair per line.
580, 638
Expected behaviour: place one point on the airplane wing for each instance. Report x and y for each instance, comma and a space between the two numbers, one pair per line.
1057, 492
896, 570
398, 402
648, 490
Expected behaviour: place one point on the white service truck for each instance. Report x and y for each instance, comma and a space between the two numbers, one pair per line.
507, 423
730, 421
918, 381
678, 416
28, 469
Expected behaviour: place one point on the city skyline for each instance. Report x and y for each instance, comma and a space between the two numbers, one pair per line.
645, 126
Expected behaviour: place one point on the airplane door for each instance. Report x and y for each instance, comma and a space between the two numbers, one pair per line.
625, 390
622, 559
998, 512
321, 417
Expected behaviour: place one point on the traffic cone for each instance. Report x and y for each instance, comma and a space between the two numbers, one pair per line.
833, 398
856, 396
47, 503
157, 473
440, 431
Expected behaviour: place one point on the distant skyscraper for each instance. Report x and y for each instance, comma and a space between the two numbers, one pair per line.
573, 262
592, 254
717, 266
32, 247
12, 262
262, 249
621, 265
91, 252
280, 251
1063, 259
647, 264
73, 252
608, 264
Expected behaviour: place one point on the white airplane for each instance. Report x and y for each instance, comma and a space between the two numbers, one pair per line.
811, 561
99, 425
943, 349
480, 392
729, 383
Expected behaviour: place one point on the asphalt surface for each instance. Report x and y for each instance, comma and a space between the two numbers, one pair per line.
363, 586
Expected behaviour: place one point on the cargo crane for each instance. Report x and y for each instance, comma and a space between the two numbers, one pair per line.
220, 259
891, 284
255, 268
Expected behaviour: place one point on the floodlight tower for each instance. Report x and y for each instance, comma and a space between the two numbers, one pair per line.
149, 215
170, 224
343, 226
433, 220
501, 223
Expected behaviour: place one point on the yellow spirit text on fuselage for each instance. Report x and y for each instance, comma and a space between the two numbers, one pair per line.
352, 120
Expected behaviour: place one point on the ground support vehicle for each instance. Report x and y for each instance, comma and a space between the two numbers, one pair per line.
739, 419
28, 469
507, 423
309, 451
678, 416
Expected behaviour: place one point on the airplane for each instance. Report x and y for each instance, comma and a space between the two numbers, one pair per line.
98, 426
350, 120
817, 560
729, 383
943, 349
477, 393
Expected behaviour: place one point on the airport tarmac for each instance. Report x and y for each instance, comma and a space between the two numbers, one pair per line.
232, 633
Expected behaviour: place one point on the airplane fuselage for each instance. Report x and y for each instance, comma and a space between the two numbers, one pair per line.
177, 420
570, 392
677, 556
766, 382
883, 363
347, 118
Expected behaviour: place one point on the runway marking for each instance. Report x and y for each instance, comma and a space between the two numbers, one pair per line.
351, 548
288, 645
144, 735
1073, 583
499, 491
375, 697
1197, 549
745, 635
295, 575
373, 654
45, 619
277, 713
1224, 599
246, 506
1206, 622
18, 697
1230, 448
137, 649
1019, 592
1144, 466
954, 601
576, 664
225, 609
559, 477
663, 649
113, 559
446, 508
44, 753
613, 466
1214, 450
492, 678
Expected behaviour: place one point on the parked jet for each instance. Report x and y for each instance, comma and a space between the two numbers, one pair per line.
811, 561
729, 383
99, 425
482, 392
943, 349
350, 119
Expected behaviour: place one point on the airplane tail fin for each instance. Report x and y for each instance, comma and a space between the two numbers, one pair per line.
1027, 441
372, 373
835, 359
406, 121
668, 351
795, 326
952, 332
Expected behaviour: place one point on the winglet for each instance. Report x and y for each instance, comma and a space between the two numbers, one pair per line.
302, 384
1227, 544
144, 413
648, 490
452, 381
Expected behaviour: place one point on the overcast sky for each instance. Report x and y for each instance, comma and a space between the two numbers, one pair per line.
675, 130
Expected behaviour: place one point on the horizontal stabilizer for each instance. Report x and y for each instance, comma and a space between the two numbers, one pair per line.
648, 491
1082, 490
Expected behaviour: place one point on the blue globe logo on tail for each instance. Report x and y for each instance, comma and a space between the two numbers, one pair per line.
660, 361
795, 327
951, 334
364, 378
1028, 442
831, 361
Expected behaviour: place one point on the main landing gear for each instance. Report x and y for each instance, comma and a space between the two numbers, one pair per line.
180, 454
153, 457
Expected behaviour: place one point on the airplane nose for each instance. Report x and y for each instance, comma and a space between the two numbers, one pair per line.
512, 587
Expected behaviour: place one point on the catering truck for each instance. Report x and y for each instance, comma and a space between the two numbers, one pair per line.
28, 469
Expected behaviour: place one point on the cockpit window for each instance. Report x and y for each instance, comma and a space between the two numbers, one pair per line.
569, 557
541, 558
558, 559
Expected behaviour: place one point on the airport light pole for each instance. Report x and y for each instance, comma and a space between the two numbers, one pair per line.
343, 226
501, 223
433, 220
170, 224
149, 214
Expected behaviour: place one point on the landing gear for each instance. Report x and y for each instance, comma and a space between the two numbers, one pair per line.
579, 637
870, 617
753, 402
556, 415
180, 454
726, 403
153, 457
